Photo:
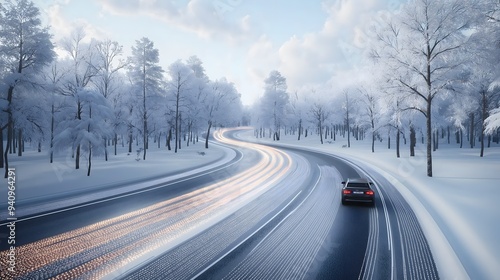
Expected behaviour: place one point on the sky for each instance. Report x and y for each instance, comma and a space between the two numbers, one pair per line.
310, 42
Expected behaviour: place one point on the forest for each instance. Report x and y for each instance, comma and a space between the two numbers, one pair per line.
427, 71
86, 98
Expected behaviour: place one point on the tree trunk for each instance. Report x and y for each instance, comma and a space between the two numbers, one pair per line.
300, 129
13, 138
373, 135
116, 143
130, 139
471, 134
429, 139
52, 126
1, 148
320, 132
413, 141
77, 157
461, 138
6, 152
398, 140
78, 116
484, 116
20, 142
208, 134
481, 153
169, 138
90, 158
105, 149
449, 134
145, 138
348, 136
178, 138
434, 139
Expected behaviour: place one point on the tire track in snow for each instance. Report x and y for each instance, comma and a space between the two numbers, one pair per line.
372, 247
413, 255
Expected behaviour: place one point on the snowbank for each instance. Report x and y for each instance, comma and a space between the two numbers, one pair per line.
60, 185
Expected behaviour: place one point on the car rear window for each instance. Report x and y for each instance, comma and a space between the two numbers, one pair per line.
358, 186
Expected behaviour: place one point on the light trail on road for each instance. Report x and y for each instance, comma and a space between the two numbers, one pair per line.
276, 215
98, 249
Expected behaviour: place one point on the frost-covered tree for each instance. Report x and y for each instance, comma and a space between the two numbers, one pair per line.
119, 102
421, 45
25, 48
81, 71
370, 100
349, 100
179, 87
193, 112
319, 113
87, 131
109, 63
53, 76
274, 103
484, 47
492, 123
147, 76
221, 104
298, 111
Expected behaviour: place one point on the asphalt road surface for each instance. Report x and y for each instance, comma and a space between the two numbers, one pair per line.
272, 213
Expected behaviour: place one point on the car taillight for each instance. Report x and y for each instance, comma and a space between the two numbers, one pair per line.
346, 191
369, 192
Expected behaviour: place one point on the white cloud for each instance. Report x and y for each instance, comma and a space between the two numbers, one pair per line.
261, 59
317, 57
199, 16
61, 26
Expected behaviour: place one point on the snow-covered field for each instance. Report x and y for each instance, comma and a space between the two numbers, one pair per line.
462, 197
38, 180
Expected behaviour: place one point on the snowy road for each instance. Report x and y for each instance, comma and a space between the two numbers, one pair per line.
275, 215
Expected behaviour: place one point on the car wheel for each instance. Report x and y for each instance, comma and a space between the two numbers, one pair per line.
344, 202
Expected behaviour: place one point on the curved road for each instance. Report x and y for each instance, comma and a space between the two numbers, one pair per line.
274, 214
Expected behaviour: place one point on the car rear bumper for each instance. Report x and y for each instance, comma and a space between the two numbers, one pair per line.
367, 199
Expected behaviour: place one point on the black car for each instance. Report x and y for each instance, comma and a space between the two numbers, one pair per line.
358, 190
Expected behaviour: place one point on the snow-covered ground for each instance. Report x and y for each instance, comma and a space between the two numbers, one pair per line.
38, 180
462, 197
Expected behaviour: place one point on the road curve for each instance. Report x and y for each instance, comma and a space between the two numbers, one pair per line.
276, 215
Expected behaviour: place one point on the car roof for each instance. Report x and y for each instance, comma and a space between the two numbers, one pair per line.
358, 180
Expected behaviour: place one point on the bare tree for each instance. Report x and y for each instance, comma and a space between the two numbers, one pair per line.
372, 112
180, 78
109, 63
147, 77
82, 71
421, 46
320, 114
347, 106
274, 102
